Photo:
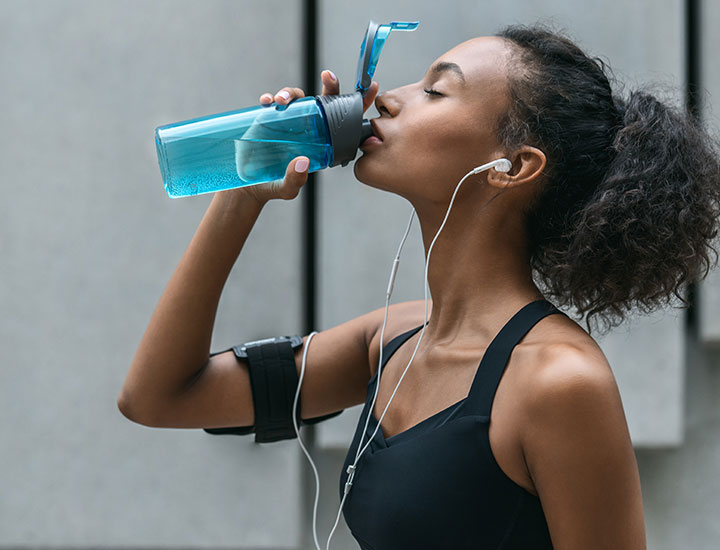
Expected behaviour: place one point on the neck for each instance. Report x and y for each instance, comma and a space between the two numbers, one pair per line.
479, 273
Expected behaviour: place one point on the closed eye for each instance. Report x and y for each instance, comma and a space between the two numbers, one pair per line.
432, 92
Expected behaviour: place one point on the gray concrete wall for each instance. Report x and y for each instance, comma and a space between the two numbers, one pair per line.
709, 292
681, 485
90, 240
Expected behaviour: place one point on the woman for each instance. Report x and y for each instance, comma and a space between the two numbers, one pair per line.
610, 204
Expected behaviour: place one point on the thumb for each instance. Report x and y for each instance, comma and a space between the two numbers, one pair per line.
296, 175
370, 95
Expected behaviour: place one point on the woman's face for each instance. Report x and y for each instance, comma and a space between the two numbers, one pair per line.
431, 141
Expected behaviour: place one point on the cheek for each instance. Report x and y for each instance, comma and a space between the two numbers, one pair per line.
425, 157
421, 168
441, 149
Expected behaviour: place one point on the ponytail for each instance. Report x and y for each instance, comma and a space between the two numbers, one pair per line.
629, 210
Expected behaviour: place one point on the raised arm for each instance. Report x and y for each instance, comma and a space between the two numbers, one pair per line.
173, 354
176, 343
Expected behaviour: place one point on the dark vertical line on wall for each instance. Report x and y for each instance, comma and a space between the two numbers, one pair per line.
692, 104
692, 57
309, 246
309, 230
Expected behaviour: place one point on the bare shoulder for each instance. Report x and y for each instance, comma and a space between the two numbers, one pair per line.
568, 368
563, 354
569, 365
577, 446
402, 317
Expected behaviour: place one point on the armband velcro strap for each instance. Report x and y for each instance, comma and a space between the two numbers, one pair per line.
274, 381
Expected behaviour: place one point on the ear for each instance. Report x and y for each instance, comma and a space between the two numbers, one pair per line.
528, 164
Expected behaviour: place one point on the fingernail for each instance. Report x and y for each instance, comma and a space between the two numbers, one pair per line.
285, 94
332, 75
301, 165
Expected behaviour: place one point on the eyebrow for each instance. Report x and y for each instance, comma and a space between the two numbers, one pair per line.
445, 66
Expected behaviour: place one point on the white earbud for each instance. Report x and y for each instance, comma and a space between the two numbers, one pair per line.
501, 165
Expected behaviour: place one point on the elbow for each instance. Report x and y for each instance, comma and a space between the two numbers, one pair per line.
123, 405
129, 411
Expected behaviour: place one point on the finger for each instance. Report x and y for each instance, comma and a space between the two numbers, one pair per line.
330, 83
287, 94
266, 99
370, 95
295, 177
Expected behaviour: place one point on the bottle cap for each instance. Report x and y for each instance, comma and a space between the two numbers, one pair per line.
344, 113
372, 45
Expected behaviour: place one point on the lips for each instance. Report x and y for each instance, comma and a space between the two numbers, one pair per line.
376, 131
372, 140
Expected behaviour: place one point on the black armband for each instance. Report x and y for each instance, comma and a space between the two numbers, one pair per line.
274, 381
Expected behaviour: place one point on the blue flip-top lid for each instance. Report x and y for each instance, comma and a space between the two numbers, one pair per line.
372, 45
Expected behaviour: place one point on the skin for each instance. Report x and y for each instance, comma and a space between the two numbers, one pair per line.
558, 426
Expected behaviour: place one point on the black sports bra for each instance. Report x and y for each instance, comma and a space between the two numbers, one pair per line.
437, 485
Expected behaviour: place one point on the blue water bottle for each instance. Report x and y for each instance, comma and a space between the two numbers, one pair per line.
255, 145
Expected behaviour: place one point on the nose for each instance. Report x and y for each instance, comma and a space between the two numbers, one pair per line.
386, 103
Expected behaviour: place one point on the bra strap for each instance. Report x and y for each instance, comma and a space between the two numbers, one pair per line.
494, 361
392, 346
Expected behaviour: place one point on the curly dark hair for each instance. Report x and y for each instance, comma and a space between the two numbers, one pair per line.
628, 211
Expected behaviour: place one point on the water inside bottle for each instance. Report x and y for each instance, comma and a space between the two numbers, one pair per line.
206, 164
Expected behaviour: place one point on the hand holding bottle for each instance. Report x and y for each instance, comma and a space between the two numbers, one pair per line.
296, 172
257, 146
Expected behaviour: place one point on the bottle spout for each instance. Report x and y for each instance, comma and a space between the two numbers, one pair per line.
366, 131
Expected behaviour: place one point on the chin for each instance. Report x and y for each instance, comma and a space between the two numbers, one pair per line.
364, 173
375, 176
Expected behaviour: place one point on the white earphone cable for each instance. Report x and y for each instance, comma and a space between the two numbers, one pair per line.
501, 165
417, 345
297, 432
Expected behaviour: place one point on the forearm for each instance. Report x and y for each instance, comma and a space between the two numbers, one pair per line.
176, 343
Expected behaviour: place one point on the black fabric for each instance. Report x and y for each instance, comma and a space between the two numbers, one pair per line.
273, 375
274, 381
437, 485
